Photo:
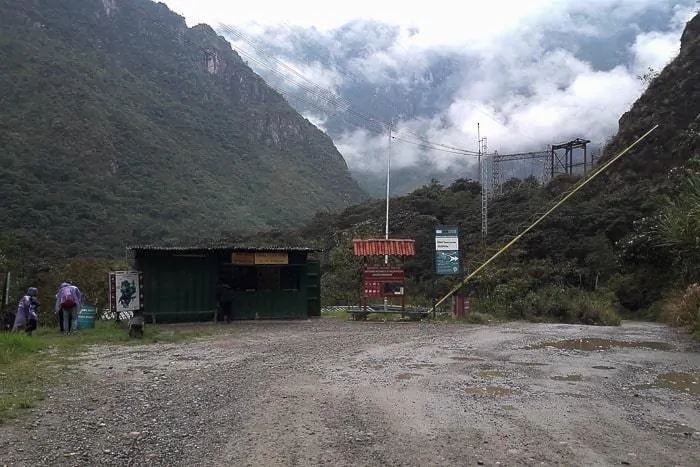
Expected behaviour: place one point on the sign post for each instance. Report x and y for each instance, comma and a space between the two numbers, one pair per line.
125, 292
447, 261
447, 258
383, 281
6, 290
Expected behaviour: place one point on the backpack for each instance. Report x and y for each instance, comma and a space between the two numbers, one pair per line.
68, 301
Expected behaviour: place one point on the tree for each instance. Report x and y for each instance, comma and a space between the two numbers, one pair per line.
650, 75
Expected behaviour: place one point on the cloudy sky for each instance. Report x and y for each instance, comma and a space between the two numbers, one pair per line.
525, 88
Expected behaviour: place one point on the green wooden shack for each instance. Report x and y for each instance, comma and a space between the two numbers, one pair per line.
179, 283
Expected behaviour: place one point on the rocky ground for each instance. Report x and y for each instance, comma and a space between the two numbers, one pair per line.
327, 392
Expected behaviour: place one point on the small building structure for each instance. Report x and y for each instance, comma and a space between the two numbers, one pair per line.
179, 283
383, 275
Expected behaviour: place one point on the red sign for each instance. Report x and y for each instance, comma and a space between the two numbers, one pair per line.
380, 281
373, 288
384, 273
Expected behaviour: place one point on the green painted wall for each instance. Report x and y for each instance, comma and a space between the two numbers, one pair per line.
182, 289
313, 288
179, 289
269, 305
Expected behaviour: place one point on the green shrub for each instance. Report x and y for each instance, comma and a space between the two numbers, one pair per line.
561, 304
594, 309
682, 308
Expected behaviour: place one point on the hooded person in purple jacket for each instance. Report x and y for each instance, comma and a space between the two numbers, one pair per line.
27, 312
68, 302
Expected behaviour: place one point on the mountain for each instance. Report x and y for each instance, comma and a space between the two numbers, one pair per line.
567, 73
119, 124
601, 250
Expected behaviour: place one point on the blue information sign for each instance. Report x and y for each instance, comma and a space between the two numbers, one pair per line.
447, 250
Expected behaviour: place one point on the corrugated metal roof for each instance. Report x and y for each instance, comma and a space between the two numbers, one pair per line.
381, 247
213, 248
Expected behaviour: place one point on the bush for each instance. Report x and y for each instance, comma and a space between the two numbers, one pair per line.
682, 308
594, 309
566, 305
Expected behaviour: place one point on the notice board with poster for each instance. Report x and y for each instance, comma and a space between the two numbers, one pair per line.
383, 281
125, 291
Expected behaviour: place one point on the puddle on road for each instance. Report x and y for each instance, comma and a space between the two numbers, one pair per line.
684, 382
490, 391
491, 374
419, 366
603, 367
405, 376
593, 344
530, 363
678, 428
467, 359
567, 378
509, 407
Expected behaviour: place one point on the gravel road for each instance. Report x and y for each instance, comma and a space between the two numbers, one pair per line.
327, 392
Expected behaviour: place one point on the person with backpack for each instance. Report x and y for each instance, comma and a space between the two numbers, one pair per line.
27, 312
68, 303
224, 300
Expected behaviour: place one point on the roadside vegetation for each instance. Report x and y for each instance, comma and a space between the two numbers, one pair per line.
29, 364
595, 261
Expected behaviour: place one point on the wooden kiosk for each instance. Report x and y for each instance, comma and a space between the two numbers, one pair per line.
383, 280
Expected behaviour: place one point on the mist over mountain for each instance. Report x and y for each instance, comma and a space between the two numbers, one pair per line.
559, 73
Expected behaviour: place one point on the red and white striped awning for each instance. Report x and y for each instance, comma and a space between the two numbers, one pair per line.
381, 247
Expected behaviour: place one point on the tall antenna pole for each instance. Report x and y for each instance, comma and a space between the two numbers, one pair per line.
386, 226
484, 182
478, 143
484, 191
388, 178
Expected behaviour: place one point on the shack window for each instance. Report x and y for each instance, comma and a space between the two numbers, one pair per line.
268, 278
290, 278
245, 278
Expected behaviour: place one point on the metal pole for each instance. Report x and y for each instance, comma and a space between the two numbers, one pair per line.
386, 226
478, 138
388, 172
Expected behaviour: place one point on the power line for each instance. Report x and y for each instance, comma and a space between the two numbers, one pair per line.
272, 64
264, 60
315, 94
435, 147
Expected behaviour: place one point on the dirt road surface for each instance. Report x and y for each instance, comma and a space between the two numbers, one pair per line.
327, 392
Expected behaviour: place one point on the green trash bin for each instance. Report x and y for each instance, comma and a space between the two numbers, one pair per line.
87, 317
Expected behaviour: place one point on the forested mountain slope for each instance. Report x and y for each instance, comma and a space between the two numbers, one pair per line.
119, 124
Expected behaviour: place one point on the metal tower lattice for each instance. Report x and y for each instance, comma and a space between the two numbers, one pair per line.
496, 176
484, 176
546, 169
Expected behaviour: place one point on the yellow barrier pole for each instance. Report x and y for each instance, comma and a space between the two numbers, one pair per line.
534, 224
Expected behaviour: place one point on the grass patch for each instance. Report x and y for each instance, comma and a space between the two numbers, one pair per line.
29, 363
335, 313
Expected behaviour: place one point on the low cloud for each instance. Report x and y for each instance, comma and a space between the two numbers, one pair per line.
556, 74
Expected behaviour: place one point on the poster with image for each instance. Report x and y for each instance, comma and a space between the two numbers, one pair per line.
125, 291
